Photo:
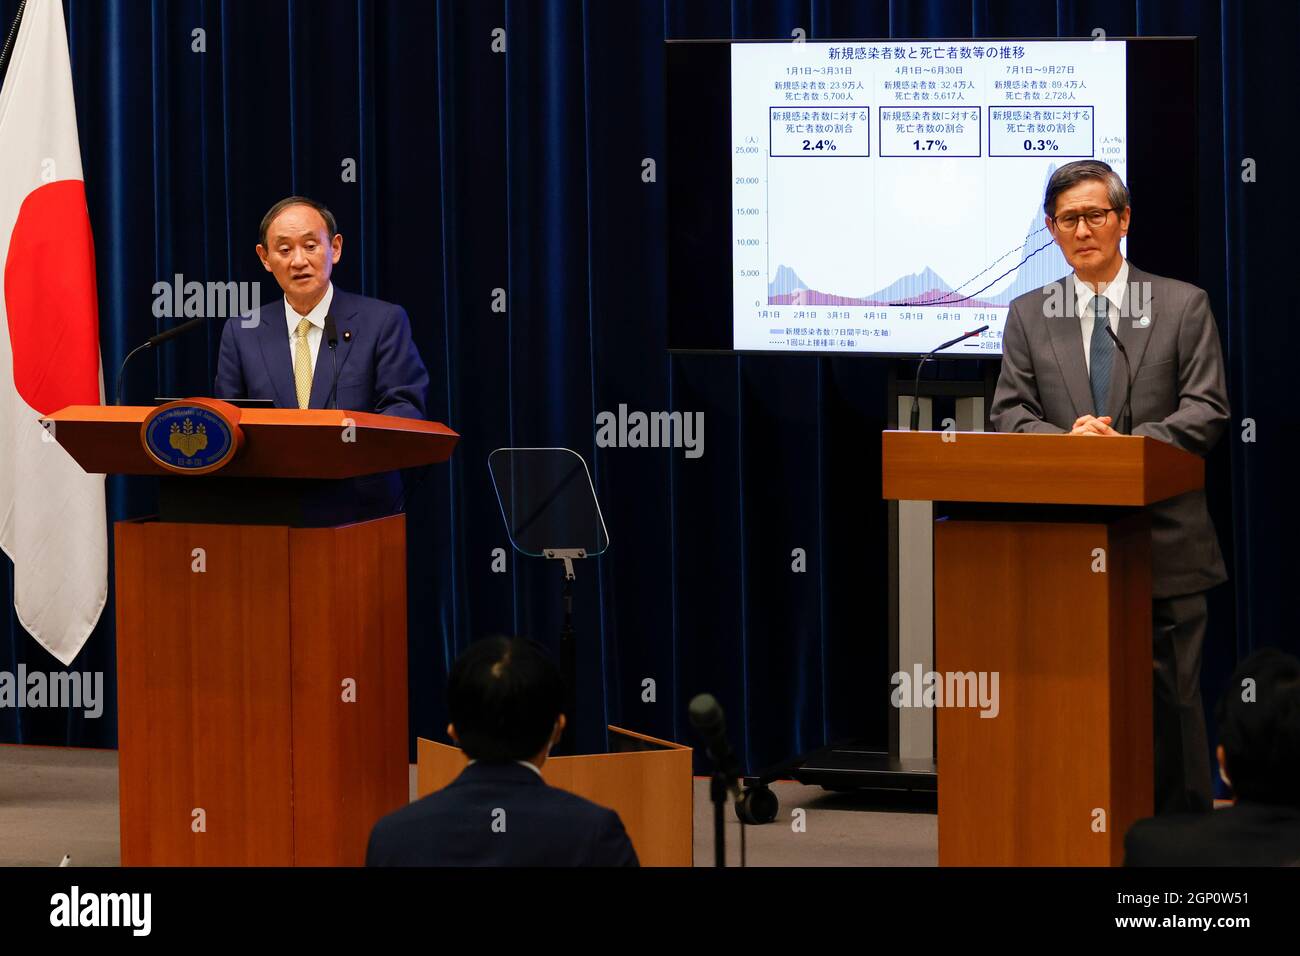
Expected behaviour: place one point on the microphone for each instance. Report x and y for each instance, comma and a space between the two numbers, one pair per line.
706, 718
1128, 384
708, 721
916, 386
152, 341
332, 340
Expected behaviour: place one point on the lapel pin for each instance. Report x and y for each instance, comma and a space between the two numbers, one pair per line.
347, 333
1143, 322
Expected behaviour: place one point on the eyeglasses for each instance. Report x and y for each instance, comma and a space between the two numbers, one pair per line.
1095, 217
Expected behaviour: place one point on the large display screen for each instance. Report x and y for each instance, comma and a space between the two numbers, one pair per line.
884, 196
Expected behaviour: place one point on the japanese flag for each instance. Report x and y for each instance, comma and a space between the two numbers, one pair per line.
52, 522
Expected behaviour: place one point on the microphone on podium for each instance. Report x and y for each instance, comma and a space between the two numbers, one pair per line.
916, 386
332, 341
1128, 386
152, 341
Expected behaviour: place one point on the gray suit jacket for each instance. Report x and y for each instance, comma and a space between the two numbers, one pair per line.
1179, 397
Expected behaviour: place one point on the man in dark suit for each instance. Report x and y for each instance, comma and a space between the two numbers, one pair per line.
1062, 372
504, 697
1259, 758
278, 352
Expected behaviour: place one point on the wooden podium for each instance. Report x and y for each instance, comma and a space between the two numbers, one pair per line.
1042, 574
262, 714
647, 781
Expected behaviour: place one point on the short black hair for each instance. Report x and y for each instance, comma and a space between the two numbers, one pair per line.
504, 695
1261, 734
1071, 174
330, 225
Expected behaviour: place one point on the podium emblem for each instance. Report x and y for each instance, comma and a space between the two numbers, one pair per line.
187, 439
193, 437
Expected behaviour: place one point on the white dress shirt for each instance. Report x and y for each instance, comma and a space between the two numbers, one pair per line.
1084, 295
317, 331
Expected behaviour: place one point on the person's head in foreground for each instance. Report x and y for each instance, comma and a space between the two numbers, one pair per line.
1259, 729
505, 699
1259, 758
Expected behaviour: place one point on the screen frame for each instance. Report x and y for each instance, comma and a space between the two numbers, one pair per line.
699, 252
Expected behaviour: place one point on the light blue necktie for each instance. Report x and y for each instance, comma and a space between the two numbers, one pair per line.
1101, 355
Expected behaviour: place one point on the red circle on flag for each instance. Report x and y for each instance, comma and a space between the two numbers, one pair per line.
50, 299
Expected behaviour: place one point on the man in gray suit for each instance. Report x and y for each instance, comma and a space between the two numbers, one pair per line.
1062, 373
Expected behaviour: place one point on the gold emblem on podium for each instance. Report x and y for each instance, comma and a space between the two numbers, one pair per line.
192, 436
186, 439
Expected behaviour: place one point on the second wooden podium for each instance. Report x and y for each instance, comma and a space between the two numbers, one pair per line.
261, 645
1042, 577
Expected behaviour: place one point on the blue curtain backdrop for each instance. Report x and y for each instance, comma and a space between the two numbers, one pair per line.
521, 171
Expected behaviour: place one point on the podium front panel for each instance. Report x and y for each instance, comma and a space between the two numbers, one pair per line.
203, 663
1061, 613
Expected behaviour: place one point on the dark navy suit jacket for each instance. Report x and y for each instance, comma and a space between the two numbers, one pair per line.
1247, 834
500, 814
379, 370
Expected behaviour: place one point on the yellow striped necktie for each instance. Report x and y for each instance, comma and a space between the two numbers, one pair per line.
302, 364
